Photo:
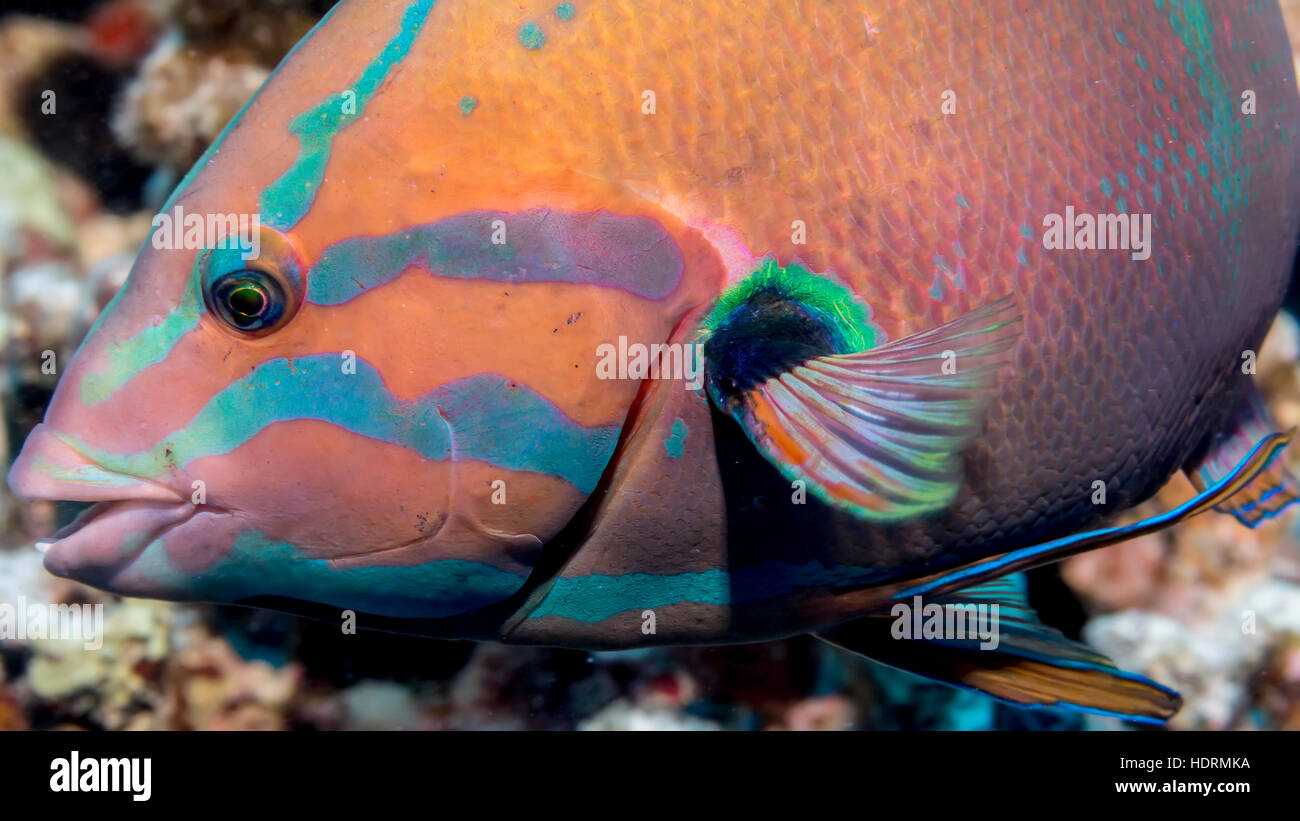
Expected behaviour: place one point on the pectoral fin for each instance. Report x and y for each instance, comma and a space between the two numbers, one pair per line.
1010, 655
878, 432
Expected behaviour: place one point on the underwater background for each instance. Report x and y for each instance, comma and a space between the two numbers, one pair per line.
151, 83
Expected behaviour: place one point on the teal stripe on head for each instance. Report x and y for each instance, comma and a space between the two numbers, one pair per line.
486, 417
286, 201
127, 358
215, 147
151, 345
257, 565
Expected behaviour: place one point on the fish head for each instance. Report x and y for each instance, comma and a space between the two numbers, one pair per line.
229, 433
347, 373
258, 425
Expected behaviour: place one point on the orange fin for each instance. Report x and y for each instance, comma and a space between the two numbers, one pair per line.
1004, 651
1271, 491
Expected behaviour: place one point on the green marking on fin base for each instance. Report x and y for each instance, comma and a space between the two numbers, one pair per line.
467, 104
846, 316
565, 11
677, 439
531, 36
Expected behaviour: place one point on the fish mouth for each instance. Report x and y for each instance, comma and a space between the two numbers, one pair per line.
108, 537
129, 512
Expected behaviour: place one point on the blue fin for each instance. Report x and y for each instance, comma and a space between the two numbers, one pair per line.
1029, 664
1272, 491
983, 570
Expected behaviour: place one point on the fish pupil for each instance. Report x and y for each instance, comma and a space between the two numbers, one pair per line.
246, 301
249, 300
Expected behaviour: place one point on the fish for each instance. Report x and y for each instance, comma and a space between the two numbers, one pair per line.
611, 324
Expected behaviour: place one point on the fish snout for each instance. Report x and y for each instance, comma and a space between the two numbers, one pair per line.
50, 468
129, 513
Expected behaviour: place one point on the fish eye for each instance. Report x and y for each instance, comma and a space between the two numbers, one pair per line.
248, 300
253, 297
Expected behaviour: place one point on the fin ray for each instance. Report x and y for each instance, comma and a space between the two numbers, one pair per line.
881, 432
983, 570
1274, 490
1032, 665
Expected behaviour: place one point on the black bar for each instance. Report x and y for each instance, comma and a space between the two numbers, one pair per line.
308, 771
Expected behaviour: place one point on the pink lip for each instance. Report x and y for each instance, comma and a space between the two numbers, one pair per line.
129, 513
111, 535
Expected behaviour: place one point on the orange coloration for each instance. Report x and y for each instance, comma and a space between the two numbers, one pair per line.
427, 510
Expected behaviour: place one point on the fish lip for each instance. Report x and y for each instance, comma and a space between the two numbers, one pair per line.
130, 512
90, 551
87, 517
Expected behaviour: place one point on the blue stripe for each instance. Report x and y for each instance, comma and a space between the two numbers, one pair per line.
257, 565
487, 417
631, 253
